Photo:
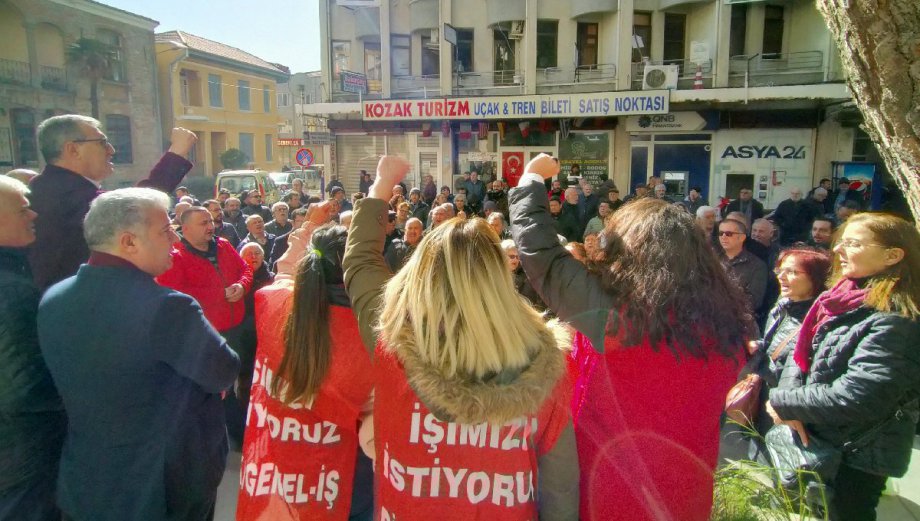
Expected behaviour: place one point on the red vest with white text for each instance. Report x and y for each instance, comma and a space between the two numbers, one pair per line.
298, 461
427, 469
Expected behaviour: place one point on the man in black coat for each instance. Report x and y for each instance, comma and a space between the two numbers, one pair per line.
746, 204
252, 205
140, 371
79, 158
417, 207
793, 217
32, 420
566, 223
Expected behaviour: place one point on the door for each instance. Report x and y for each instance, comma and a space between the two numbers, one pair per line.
734, 183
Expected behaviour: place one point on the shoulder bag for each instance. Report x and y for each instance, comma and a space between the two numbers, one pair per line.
742, 402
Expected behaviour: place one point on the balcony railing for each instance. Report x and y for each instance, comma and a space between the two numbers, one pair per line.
15, 72
424, 86
794, 68
54, 78
600, 73
467, 82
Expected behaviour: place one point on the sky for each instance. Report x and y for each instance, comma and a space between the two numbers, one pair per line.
279, 31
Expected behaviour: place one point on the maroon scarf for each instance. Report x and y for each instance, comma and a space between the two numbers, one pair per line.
845, 296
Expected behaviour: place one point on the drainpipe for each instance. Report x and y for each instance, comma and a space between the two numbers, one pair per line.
171, 69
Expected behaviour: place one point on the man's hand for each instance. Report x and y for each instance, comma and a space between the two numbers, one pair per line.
544, 165
182, 141
391, 170
320, 213
234, 292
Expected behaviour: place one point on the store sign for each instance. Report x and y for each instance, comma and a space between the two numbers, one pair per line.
671, 122
520, 107
353, 82
776, 159
289, 142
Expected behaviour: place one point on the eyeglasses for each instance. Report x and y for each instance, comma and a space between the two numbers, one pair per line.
729, 234
512, 256
780, 272
103, 140
853, 244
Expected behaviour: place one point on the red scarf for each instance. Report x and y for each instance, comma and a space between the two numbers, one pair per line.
845, 296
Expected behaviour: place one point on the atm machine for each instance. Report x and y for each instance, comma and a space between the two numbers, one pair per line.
676, 184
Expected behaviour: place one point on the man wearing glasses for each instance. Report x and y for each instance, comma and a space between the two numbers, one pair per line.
79, 158
749, 271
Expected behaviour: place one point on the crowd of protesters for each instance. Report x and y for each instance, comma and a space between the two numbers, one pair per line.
544, 351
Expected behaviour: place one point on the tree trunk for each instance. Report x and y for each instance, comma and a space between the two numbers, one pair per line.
94, 97
879, 43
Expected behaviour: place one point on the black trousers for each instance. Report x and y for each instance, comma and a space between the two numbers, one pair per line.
856, 495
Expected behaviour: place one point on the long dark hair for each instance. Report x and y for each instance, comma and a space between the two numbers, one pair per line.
668, 283
307, 342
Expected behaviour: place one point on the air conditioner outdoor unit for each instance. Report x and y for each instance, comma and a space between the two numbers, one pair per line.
659, 77
517, 31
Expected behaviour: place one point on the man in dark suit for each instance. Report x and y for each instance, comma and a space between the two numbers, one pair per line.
746, 204
140, 371
79, 158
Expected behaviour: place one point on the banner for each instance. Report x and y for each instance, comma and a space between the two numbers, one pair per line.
590, 151
520, 107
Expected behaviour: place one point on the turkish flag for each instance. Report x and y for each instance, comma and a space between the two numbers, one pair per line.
512, 167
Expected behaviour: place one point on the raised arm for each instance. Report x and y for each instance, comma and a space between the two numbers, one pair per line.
172, 167
366, 271
564, 284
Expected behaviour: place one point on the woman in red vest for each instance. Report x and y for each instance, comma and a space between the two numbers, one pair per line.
661, 330
310, 390
471, 401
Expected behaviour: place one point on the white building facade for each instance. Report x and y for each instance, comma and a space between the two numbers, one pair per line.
720, 94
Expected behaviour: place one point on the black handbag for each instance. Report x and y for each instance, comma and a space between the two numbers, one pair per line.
804, 472
809, 472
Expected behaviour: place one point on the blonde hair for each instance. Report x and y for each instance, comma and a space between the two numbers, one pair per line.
897, 288
455, 302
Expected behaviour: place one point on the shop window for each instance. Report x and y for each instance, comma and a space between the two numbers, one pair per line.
118, 130
242, 89
547, 47
116, 71
431, 60
464, 50
372, 66
215, 93
642, 36
773, 24
246, 145
586, 44
284, 99
341, 55
675, 32
738, 33
191, 88
504, 52
24, 145
400, 55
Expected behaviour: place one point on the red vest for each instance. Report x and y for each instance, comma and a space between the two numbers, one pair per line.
647, 430
429, 469
298, 462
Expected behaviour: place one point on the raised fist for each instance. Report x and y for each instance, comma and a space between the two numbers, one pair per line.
182, 141
321, 213
544, 165
391, 170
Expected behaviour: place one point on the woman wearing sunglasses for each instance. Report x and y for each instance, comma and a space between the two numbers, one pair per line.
856, 361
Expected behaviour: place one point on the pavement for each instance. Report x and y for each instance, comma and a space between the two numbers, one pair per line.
900, 502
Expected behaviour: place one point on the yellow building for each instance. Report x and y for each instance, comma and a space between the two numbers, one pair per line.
223, 94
